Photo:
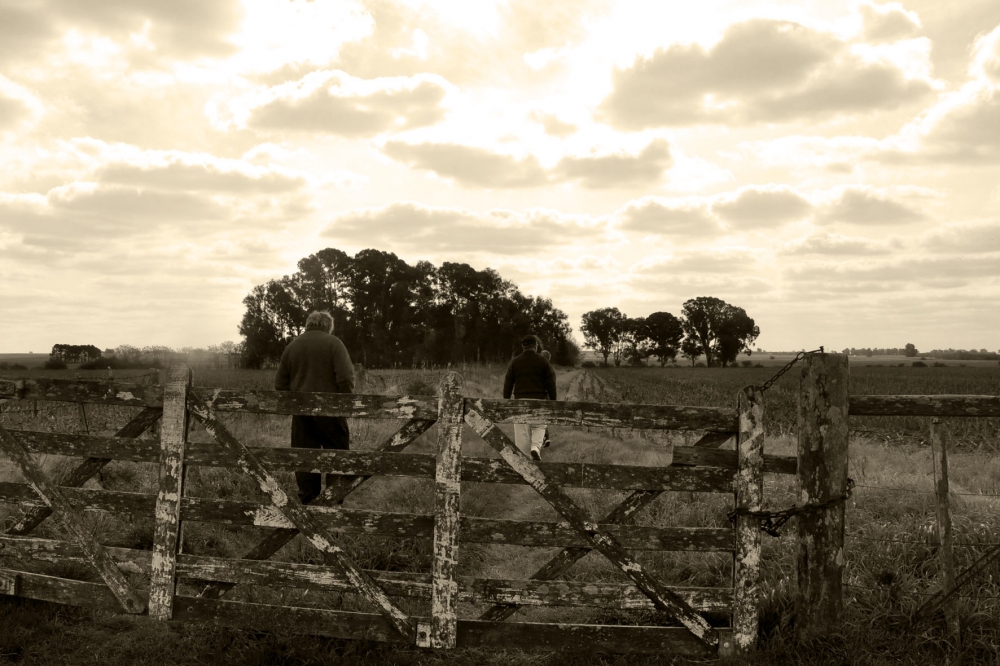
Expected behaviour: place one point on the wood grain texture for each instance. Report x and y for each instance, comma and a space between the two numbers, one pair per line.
447, 514
85, 391
822, 471
605, 415
946, 550
319, 404
689, 455
749, 496
167, 514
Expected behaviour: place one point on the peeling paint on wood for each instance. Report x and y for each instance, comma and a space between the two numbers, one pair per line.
606, 415
822, 471
689, 455
173, 438
319, 404
925, 405
301, 518
331, 496
71, 522
447, 512
661, 597
83, 391
749, 496
88, 468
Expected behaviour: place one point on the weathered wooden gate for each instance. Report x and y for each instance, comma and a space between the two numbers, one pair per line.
138, 581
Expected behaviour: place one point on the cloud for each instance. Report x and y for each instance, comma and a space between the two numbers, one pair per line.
553, 125
833, 245
869, 207
24, 31
762, 206
12, 111
479, 167
336, 103
415, 228
469, 166
728, 260
684, 218
974, 238
911, 272
172, 172
761, 71
888, 22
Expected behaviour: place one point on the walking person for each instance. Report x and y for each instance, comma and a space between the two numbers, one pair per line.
316, 362
531, 377
545, 437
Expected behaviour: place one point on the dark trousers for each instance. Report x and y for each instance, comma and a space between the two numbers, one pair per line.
317, 432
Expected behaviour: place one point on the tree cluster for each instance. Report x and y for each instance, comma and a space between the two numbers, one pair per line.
74, 353
708, 326
389, 313
909, 350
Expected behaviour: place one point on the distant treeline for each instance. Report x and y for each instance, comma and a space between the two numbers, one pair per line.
390, 313
964, 355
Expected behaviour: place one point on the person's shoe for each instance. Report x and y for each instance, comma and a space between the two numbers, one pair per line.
546, 443
535, 453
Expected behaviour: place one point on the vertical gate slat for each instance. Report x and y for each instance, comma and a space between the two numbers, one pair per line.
173, 438
749, 487
447, 501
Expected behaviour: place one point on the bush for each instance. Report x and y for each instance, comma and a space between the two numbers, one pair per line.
939, 364
919, 364
746, 364
771, 357
588, 364
55, 364
12, 366
699, 364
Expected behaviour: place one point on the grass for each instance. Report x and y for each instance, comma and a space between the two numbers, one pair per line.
891, 556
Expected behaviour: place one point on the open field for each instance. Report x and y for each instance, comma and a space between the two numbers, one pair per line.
891, 557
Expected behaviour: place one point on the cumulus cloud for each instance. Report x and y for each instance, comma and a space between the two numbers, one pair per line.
869, 207
478, 167
682, 218
413, 227
336, 103
936, 272
888, 22
138, 193
762, 206
761, 71
723, 260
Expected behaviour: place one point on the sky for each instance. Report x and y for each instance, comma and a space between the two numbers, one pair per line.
830, 166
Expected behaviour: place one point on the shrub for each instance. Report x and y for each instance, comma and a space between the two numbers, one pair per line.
12, 366
771, 357
919, 364
55, 364
747, 364
115, 363
588, 364
939, 364
699, 364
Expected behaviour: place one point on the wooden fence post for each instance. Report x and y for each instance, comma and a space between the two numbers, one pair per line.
822, 469
749, 485
939, 450
447, 505
173, 439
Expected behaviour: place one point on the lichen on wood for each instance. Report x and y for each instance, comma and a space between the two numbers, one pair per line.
447, 514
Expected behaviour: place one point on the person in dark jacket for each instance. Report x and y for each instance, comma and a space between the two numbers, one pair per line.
531, 377
316, 362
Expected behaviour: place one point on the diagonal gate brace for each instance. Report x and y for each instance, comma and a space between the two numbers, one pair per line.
662, 598
303, 519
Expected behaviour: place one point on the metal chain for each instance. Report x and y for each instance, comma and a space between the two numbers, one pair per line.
788, 366
772, 521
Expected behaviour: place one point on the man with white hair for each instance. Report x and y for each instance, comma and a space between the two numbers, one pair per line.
316, 362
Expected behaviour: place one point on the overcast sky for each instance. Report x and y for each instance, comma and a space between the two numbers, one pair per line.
830, 166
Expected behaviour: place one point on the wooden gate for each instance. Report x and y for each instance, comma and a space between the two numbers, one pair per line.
137, 581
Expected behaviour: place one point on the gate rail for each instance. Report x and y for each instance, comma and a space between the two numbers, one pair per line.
124, 570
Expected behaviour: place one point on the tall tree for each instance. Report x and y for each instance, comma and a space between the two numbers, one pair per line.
721, 330
664, 331
602, 330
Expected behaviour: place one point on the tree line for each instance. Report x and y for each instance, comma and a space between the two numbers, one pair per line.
708, 327
390, 313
